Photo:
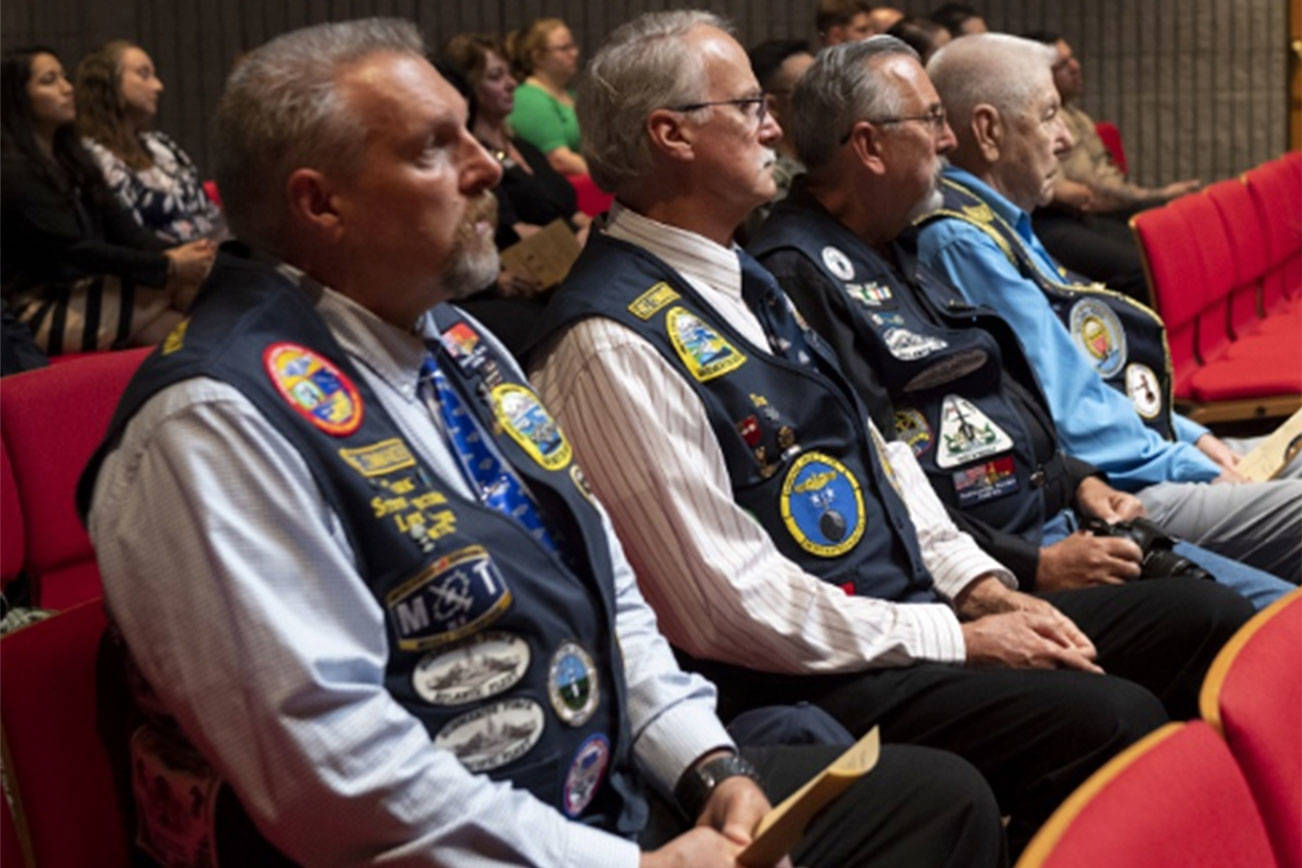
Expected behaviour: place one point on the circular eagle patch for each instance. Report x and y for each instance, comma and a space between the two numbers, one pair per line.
838, 263
523, 417
1099, 335
822, 505
316, 389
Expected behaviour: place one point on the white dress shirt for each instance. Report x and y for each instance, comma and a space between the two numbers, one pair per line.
721, 588
240, 599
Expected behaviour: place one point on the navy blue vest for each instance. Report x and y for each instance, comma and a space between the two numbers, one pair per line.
942, 364
1124, 340
799, 456
505, 651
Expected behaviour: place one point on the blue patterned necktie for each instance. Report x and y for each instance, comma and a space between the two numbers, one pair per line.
765, 299
489, 476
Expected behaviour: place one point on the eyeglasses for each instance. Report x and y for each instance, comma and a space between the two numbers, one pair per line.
935, 116
569, 46
755, 108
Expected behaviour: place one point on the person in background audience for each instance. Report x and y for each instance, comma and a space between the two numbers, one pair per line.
960, 19
406, 632
547, 55
1100, 358
883, 18
921, 34
840, 21
777, 65
75, 266
117, 91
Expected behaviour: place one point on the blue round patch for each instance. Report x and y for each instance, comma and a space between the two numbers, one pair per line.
584, 776
822, 505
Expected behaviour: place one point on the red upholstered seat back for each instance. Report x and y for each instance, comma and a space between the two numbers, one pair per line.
1203, 223
52, 420
1274, 190
1248, 243
1253, 695
1111, 137
1175, 269
1174, 799
12, 544
57, 766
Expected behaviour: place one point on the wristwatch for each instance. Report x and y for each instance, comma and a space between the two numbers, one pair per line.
696, 784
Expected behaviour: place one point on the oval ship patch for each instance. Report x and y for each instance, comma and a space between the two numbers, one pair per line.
493, 735
484, 665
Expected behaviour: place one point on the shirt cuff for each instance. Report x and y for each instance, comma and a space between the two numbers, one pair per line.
932, 632
588, 847
677, 738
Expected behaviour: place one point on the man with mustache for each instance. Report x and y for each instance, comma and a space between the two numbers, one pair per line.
1100, 357
1009, 484
366, 608
786, 547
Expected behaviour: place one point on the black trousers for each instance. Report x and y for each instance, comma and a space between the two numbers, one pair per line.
1034, 734
917, 808
1100, 247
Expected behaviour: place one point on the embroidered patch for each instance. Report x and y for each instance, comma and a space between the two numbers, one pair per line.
585, 774
1144, 390
871, 293
421, 515
1099, 335
908, 346
580, 481
654, 300
484, 665
984, 482
380, 458
967, 434
176, 800
572, 684
980, 213
883, 459
459, 594
948, 369
886, 320
749, 429
316, 389
838, 263
493, 735
911, 427
702, 350
176, 337
765, 408
822, 505
523, 417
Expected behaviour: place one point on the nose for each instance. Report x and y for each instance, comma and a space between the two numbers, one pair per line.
946, 141
770, 131
479, 171
1062, 140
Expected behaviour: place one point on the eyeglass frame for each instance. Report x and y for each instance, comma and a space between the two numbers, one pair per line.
761, 101
936, 117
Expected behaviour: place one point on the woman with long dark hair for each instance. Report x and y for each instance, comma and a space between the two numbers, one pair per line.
74, 265
117, 93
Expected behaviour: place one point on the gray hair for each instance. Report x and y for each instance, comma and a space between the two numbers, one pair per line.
993, 68
642, 66
842, 87
281, 110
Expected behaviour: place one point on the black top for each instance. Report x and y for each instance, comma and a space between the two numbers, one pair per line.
51, 236
538, 199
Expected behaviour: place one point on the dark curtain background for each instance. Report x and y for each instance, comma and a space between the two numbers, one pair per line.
1198, 87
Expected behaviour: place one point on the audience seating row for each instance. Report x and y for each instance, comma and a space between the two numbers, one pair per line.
1225, 790
1225, 272
51, 420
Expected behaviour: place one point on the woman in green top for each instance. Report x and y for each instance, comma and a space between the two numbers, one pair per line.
544, 116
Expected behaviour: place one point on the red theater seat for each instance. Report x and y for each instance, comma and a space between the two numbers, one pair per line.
1275, 191
12, 544
1253, 696
57, 767
52, 420
1111, 137
1172, 800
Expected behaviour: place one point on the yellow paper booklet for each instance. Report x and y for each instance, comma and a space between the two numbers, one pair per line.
783, 826
1268, 459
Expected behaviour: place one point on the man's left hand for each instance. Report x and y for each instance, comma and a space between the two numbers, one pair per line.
1095, 497
735, 808
1225, 457
989, 596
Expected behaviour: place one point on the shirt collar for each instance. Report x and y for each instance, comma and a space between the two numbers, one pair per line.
697, 258
1004, 209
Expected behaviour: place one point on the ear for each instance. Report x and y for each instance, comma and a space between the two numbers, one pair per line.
669, 135
988, 131
866, 145
312, 204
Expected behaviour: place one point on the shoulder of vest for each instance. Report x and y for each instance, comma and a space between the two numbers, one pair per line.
986, 228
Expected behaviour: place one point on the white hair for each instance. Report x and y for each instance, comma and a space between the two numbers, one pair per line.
842, 87
281, 110
995, 68
642, 66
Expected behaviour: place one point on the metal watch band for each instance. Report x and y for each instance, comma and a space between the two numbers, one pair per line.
696, 784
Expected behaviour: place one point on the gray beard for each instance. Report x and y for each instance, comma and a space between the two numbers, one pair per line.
926, 204
469, 271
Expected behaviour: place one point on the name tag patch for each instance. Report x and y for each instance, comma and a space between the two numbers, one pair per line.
524, 418
702, 350
1099, 335
967, 434
493, 735
654, 300
316, 389
379, 459
484, 665
585, 774
457, 595
984, 482
822, 505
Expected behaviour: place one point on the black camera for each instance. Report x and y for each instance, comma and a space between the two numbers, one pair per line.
1159, 562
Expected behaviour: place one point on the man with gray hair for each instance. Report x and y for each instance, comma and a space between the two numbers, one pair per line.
787, 548
1100, 357
403, 630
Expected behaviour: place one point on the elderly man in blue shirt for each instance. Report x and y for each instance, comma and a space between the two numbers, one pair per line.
999, 93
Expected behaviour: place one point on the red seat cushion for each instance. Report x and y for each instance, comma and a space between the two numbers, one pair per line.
1253, 695
1175, 798
1242, 379
592, 199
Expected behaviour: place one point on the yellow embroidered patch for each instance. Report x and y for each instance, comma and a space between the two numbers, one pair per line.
651, 302
379, 458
